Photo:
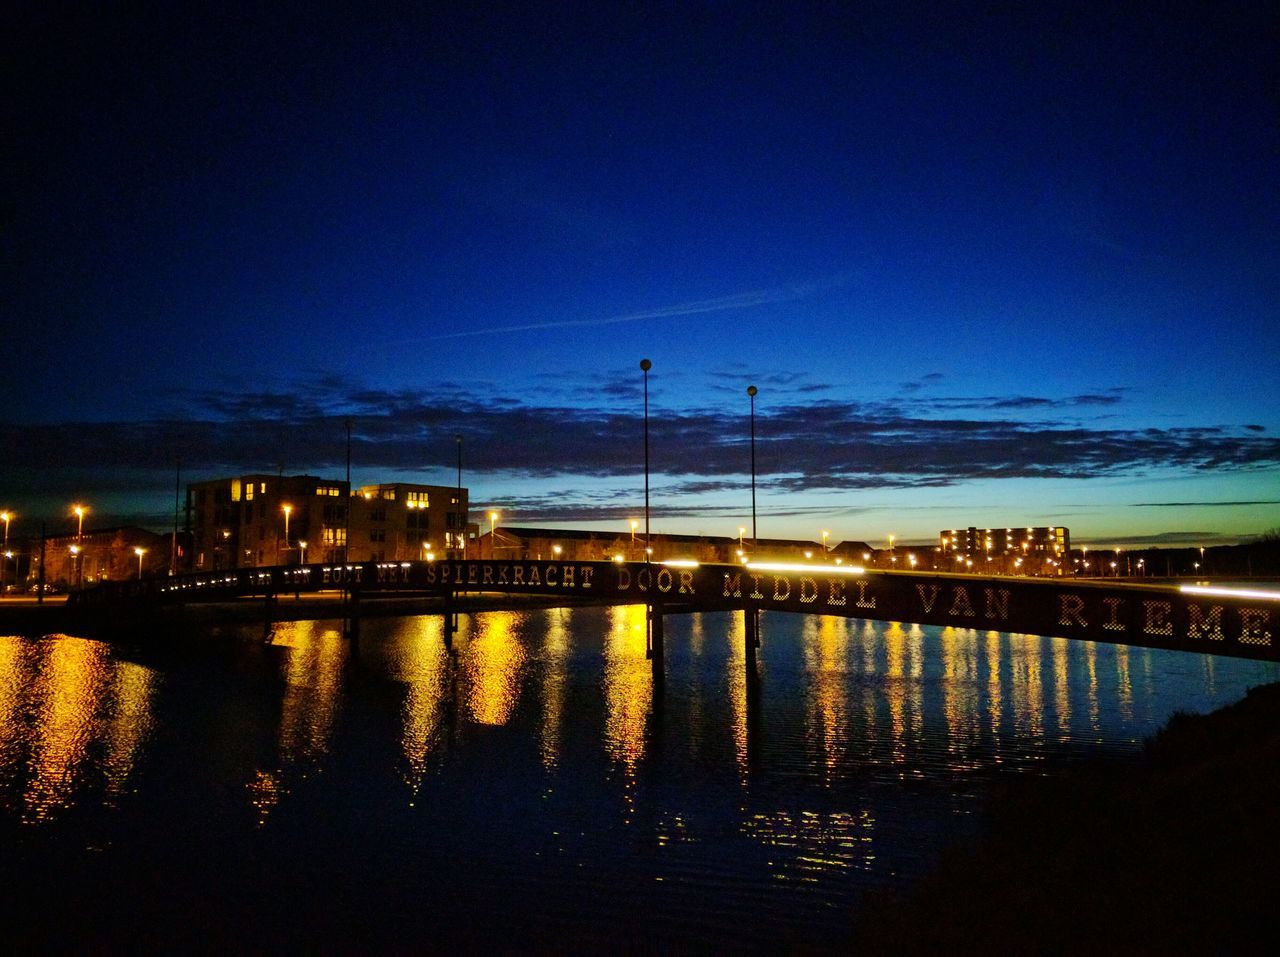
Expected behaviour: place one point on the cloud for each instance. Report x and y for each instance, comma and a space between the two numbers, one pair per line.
805, 444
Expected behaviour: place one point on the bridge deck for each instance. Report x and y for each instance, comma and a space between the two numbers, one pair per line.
1235, 622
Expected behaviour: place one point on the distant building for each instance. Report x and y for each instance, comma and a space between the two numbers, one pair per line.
263, 519
972, 542
103, 554
1008, 551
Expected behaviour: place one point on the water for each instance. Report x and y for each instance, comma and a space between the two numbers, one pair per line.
213, 793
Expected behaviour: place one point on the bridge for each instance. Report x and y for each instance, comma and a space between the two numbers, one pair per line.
1236, 622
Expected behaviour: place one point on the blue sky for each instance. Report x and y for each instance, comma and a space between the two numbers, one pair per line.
986, 264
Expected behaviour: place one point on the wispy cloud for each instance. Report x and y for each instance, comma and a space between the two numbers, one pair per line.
742, 300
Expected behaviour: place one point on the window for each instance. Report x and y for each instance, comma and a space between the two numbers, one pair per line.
235, 490
378, 515
377, 535
335, 536
248, 492
417, 499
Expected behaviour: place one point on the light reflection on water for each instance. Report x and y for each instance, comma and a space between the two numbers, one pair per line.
529, 763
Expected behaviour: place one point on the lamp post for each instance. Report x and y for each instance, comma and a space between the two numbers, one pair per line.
78, 511
8, 517
493, 539
139, 552
77, 567
645, 366
346, 526
286, 509
8, 557
302, 544
634, 526
825, 535
752, 391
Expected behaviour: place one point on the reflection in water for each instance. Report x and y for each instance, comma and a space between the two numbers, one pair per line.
959, 695
70, 714
739, 706
131, 690
555, 680
492, 663
738, 835
1122, 676
628, 693
315, 655
70, 681
815, 845
826, 651
425, 666
1061, 685
15, 671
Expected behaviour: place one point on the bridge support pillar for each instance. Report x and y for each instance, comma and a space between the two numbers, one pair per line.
655, 647
751, 638
450, 620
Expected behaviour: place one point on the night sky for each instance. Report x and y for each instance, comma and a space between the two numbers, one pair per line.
1011, 264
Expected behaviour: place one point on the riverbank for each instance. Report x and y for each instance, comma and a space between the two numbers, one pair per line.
1174, 853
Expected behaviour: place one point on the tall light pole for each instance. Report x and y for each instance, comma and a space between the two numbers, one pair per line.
177, 489
79, 550
286, 509
302, 544
8, 517
346, 531
755, 538
645, 366
825, 534
493, 534
139, 552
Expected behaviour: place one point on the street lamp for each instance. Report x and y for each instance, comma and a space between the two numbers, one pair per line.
891, 538
825, 535
493, 541
139, 552
302, 544
755, 536
78, 511
634, 526
77, 567
556, 550
645, 366
8, 517
286, 509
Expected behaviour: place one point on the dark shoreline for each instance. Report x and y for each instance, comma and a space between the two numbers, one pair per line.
1173, 853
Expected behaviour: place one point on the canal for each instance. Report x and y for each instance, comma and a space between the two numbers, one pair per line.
215, 791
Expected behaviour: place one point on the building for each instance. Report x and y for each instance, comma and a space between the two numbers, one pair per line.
400, 522
1027, 551
102, 554
260, 519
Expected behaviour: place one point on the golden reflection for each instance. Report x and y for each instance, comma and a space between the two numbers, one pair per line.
1027, 693
1122, 677
1062, 685
812, 845
737, 677
895, 651
131, 692
70, 682
554, 682
312, 667
628, 691
995, 701
424, 667
494, 657
1091, 663
826, 649
15, 670
960, 674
